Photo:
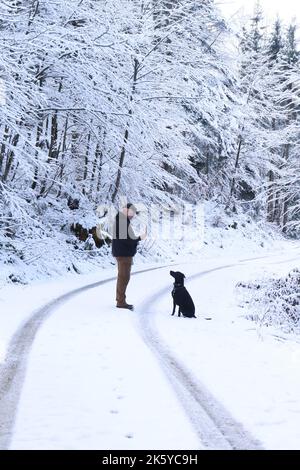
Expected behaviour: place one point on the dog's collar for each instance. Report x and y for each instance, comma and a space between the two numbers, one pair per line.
178, 285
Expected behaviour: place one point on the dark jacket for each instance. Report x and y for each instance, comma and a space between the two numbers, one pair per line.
124, 240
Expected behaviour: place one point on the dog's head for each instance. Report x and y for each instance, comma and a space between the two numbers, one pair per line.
178, 276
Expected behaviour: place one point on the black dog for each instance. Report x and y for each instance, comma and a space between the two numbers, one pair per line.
181, 297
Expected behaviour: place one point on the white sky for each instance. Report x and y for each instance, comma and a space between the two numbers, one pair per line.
287, 9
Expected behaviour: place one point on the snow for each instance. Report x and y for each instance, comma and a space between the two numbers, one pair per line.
96, 385
252, 372
92, 383
112, 100
58, 254
18, 301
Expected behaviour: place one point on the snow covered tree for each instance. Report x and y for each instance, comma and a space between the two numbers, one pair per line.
266, 129
287, 185
105, 100
144, 99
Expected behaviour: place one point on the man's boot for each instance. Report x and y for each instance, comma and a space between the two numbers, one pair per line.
127, 306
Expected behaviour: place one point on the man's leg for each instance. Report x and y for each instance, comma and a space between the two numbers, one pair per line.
124, 269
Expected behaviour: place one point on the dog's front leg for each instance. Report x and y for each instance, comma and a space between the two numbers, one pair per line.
179, 312
174, 306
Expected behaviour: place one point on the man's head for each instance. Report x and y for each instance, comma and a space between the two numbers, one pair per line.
129, 210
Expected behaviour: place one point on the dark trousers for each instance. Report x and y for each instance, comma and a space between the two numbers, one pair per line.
124, 270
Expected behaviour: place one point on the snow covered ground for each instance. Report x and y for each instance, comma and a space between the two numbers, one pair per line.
100, 388
92, 383
62, 254
253, 371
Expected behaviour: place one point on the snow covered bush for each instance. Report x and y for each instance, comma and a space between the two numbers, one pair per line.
274, 301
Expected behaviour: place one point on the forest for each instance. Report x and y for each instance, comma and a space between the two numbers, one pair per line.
160, 101
173, 324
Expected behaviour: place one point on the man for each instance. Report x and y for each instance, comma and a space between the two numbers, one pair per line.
124, 246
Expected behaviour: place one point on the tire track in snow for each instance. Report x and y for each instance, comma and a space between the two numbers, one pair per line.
13, 370
216, 428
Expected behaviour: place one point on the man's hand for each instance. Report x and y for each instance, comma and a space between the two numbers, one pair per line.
144, 235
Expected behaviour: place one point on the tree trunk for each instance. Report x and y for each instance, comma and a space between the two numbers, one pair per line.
236, 164
37, 144
285, 202
277, 207
99, 170
126, 134
270, 198
3, 146
63, 151
86, 163
285, 215
10, 157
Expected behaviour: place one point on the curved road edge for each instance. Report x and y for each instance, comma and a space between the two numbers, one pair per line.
13, 370
214, 425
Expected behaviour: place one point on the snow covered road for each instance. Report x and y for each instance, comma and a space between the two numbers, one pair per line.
216, 428
92, 383
253, 371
